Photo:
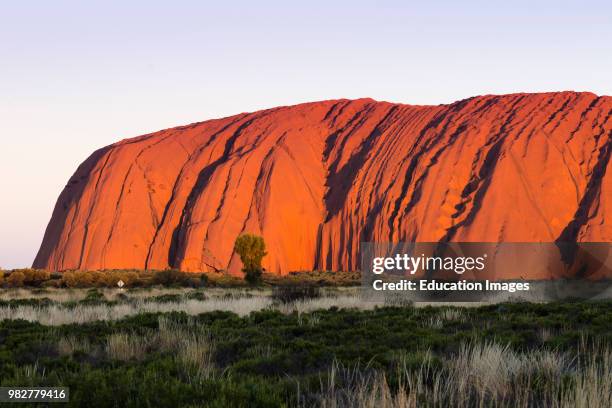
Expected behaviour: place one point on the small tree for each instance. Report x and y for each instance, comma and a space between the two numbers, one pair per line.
251, 249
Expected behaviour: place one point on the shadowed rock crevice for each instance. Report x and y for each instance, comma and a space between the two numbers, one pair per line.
176, 197
591, 196
178, 235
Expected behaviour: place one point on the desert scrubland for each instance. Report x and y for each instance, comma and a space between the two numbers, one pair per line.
302, 346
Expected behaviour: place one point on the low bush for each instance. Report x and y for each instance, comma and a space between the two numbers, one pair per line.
224, 280
78, 279
26, 277
109, 279
15, 279
129, 278
318, 278
171, 277
52, 283
291, 293
35, 277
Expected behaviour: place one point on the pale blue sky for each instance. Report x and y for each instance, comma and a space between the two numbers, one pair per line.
75, 77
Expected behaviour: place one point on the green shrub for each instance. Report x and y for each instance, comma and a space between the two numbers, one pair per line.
291, 293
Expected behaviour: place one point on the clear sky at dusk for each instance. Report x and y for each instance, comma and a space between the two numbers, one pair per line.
76, 77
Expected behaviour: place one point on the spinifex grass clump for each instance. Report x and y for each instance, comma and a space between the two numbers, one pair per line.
479, 375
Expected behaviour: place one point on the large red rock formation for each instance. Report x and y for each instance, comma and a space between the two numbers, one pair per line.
316, 179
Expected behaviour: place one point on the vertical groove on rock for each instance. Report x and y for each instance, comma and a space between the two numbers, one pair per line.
571, 231
91, 208
179, 177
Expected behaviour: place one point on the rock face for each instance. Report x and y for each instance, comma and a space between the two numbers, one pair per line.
316, 179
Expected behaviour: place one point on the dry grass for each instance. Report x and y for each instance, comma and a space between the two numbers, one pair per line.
170, 334
68, 345
196, 353
456, 315
493, 369
593, 385
190, 343
55, 315
481, 375
545, 334
126, 346
30, 374
239, 300
434, 322
63, 295
57, 295
351, 301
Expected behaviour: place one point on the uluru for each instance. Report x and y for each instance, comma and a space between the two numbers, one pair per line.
316, 179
